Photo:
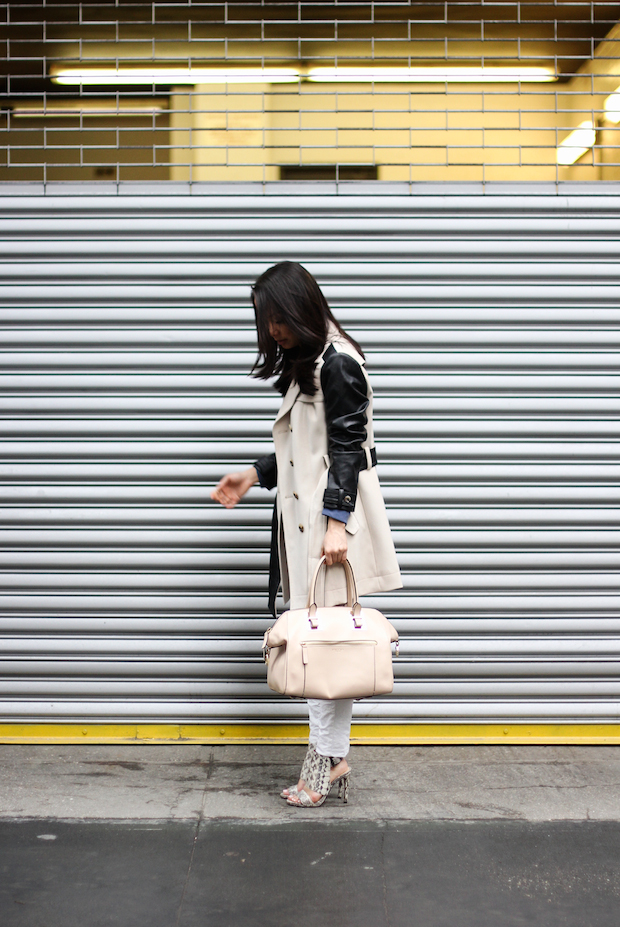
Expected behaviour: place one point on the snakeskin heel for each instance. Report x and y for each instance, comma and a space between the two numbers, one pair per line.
343, 786
305, 769
342, 780
317, 780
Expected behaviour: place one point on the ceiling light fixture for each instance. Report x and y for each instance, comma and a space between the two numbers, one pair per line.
90, 108
432, 75
164, 75
178, 76
612, 106
575, 145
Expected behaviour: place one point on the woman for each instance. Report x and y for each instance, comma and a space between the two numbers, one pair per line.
328, 495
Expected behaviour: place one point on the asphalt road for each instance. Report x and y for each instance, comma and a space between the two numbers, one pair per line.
304, 874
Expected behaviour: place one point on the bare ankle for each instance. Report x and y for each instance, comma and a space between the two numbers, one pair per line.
339, 768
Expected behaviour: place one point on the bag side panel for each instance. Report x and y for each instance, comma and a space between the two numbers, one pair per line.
276, 669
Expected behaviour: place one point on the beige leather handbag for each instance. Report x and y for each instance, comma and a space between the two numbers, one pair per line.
339, 652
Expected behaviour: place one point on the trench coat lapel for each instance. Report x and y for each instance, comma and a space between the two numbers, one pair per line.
293, 391
287, 403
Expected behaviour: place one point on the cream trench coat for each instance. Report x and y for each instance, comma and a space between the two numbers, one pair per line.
300, 438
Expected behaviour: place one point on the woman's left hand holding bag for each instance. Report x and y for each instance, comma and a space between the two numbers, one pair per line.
335, 542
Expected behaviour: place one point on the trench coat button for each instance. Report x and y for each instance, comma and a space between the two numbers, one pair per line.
296, 496
347, 498
291, 463
290, 427
301, 528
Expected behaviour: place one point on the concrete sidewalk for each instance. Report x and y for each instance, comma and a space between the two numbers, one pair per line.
188, 782
192, 836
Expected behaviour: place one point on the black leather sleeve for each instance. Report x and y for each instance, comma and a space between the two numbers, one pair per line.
267, 471
346, 401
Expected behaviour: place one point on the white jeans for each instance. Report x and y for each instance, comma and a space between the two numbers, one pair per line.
330, 725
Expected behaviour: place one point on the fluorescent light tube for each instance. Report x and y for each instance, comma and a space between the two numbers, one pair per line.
432, 75
89, 108
575, 145
612, 106
164, 75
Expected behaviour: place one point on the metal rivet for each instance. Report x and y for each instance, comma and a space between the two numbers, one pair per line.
347, 498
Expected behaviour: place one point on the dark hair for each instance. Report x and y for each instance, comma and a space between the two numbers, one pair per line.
289, 293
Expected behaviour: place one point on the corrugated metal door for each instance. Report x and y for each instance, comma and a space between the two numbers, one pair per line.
492, 331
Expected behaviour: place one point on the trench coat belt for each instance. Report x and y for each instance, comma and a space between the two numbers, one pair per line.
370, 454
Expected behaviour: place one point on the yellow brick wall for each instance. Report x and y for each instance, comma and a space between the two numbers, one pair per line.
419, 133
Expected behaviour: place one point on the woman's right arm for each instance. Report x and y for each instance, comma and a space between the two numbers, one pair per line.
233, 487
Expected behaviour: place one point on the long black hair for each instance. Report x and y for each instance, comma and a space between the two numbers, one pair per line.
289, 294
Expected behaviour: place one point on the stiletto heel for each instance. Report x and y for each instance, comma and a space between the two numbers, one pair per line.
343, 786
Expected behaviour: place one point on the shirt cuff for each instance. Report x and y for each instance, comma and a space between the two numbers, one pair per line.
260, 477
338, 514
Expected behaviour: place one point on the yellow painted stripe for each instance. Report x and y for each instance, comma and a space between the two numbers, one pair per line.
362, 733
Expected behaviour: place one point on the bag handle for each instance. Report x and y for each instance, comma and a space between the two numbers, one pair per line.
352, 602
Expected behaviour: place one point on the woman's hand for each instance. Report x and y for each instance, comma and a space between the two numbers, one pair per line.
233, 487
335, 542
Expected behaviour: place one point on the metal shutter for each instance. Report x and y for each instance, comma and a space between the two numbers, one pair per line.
492, 330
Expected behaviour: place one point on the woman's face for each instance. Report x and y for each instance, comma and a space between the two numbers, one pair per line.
281, 333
